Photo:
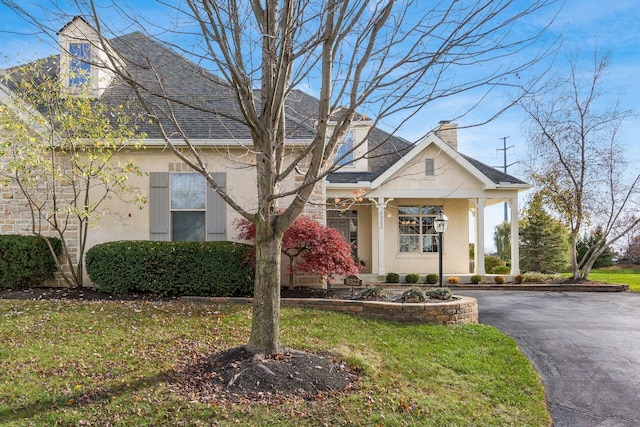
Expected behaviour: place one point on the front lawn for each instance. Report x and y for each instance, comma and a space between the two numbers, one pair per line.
104, 363
629, 275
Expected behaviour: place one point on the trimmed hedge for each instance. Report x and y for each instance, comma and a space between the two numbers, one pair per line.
392, 278
171, 268
26, 260
412, 278
475, 279
431, 279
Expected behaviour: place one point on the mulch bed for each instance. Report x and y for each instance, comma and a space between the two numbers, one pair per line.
89, 294
82, 294
238, 376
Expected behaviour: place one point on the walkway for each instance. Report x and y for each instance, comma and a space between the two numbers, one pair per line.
586, 347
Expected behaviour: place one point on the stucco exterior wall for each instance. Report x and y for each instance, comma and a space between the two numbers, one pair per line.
121, 219
447, 175
456, 240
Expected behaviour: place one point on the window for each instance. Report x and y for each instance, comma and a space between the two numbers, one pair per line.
188, 195
415, 229
345, 148
183, 207
79, 67
429, 167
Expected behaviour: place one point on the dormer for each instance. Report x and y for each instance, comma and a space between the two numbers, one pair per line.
83, 60
354, 159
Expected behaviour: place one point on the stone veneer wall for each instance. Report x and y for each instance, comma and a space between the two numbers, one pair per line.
15, 218
461, 310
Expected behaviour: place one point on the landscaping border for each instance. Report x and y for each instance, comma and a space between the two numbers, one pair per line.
595, 287
458, 311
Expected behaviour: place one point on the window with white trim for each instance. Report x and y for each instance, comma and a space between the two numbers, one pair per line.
188, 206
345, 149
79, 65
183, 207
415, 229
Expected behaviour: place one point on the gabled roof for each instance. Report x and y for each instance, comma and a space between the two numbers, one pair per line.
397, 152
217, 116
75, 18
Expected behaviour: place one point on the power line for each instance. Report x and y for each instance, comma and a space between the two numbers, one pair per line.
504, 167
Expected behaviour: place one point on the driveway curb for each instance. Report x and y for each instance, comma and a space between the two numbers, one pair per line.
596, 287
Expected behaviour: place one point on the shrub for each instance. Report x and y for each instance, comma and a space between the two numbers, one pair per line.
26, 260
475, 279
413, 294
412, 278
371, 293
519, 278
491, 262
439, 293
392, 278
534, 276
499, 280
453, 280
431, 279
171, 268
501, 269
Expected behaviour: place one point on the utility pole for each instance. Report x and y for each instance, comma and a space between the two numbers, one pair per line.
505, 166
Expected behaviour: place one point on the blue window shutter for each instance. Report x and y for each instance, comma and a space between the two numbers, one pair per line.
216, 210
159, 206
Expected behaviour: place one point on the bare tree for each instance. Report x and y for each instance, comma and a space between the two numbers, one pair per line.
374, 59
578, 162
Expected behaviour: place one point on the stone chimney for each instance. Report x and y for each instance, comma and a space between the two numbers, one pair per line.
448, 132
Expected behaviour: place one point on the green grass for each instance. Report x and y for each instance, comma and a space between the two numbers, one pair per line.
629, 276
102, 363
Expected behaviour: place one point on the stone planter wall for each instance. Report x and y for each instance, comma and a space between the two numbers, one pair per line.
461, 310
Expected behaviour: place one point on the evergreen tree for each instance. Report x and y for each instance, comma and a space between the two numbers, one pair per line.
543, 240
587, 244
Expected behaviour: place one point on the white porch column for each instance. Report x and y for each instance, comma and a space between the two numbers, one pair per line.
480, 237
515, 237
381, 204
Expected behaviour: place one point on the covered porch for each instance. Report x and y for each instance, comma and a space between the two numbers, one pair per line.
393, 234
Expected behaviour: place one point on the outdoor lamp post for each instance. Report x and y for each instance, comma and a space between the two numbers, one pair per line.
440, 224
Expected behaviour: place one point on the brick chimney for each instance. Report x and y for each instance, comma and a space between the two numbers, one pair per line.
448, 132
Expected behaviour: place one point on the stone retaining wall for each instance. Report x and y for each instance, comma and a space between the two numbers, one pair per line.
461, 310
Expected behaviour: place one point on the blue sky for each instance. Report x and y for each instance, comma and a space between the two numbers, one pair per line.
611, 26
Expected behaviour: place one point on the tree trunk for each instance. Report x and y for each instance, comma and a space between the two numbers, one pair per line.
265, 337
291, 271
575, 268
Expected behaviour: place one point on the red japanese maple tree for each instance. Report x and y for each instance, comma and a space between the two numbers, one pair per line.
311, 247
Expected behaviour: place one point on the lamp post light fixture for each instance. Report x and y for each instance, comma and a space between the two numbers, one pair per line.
440, 225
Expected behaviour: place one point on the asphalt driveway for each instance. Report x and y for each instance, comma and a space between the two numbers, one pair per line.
586, 347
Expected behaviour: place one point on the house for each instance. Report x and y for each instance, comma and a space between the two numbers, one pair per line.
400, 185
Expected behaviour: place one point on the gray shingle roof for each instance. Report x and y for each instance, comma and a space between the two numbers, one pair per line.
385, 150
493, 174
206, 107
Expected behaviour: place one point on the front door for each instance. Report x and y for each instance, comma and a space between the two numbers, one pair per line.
346, 222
